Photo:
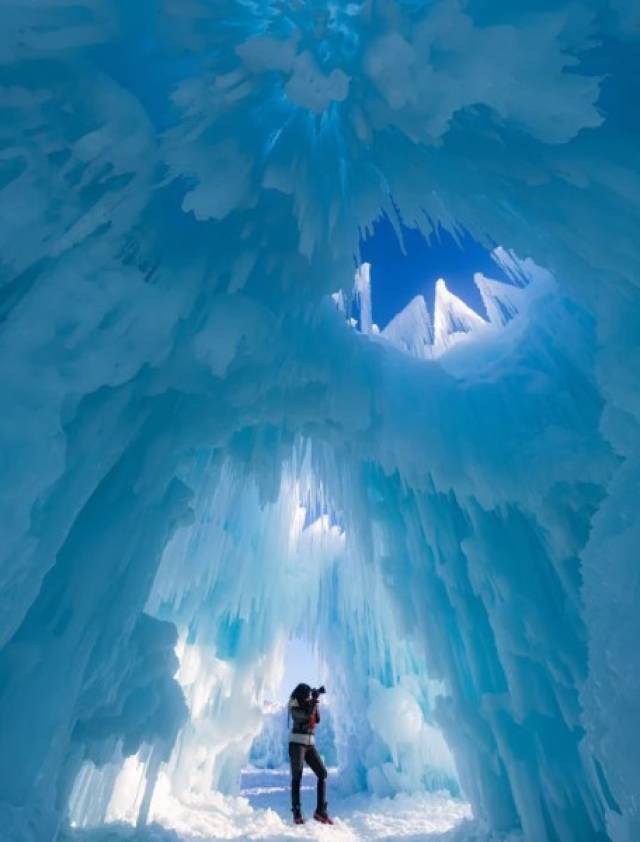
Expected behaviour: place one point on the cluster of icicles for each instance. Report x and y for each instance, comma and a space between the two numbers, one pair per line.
415, 332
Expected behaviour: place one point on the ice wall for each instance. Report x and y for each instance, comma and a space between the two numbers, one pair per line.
235, 582
247, 574
182, 187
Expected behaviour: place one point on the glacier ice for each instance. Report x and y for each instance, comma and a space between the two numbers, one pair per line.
204, 453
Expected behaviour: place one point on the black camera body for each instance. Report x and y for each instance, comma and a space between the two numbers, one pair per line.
318, 692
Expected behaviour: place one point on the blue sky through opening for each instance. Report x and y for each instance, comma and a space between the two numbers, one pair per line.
397, 276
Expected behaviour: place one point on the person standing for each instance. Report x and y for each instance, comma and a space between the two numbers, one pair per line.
305, 714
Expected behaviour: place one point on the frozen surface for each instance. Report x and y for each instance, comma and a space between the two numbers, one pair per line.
204, 453
262, 811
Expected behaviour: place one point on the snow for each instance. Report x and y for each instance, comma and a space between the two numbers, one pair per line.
262, 811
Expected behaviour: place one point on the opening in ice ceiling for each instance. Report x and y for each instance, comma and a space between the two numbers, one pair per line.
404, 263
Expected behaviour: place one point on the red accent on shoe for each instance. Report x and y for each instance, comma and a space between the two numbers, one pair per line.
298, 818
324, 818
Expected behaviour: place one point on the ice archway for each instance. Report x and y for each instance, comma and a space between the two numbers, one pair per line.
182, 189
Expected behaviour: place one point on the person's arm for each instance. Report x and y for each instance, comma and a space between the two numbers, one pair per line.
303, 714
314, 712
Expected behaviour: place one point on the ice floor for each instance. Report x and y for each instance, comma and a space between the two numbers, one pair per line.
262, 812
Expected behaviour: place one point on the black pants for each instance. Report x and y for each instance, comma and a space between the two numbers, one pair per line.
297, 755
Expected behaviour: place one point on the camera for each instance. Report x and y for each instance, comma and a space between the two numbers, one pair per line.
318, 692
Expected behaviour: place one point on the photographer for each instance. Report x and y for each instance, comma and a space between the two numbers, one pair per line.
304, 711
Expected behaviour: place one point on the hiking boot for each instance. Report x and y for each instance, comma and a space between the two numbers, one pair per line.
323, 817
298, 818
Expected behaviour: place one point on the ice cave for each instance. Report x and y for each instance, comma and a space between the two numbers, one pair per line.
242, 448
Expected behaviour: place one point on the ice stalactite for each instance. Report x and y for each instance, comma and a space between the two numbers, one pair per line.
362, 288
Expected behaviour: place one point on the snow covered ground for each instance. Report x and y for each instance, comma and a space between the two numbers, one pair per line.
262, 812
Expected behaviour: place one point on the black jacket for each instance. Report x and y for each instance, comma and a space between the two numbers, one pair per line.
305, 717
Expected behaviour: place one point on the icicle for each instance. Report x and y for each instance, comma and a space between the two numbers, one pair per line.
363, 296
502, 301
453, 321
411, 329
151, 776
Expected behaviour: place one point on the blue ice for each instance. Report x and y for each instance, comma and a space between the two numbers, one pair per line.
210, 445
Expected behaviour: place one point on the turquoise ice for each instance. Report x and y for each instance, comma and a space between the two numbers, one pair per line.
209, 446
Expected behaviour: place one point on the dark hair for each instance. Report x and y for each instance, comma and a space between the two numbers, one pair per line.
301, 693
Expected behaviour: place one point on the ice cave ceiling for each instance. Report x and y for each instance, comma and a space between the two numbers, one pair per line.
209, 446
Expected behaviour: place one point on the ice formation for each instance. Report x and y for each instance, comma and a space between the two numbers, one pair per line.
201, 456
415, 332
